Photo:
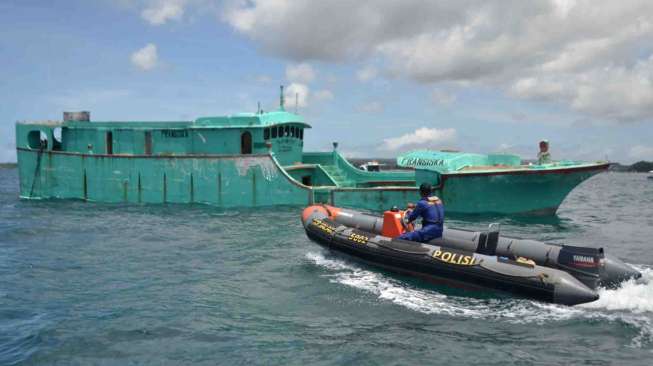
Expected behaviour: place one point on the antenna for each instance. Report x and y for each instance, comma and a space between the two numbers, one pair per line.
258, 108
296, 101
282, 101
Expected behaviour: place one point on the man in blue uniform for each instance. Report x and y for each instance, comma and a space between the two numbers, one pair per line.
431, 210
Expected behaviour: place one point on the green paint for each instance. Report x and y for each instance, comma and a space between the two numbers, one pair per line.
212, 160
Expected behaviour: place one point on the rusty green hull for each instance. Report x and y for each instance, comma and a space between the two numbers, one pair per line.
533, 192
259, 180
221, 180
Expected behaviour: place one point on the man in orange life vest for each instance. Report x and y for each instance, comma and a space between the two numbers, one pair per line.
431, 210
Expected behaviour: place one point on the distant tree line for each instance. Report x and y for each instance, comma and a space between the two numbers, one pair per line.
639, 167
642, 166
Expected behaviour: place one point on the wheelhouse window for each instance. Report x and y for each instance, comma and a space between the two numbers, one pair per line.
109, 143
57, 138
266, 134
301, 133
286, 131
148, 143
280, 131
274, 132
292, 131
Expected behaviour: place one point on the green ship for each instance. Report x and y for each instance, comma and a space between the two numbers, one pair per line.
257, 159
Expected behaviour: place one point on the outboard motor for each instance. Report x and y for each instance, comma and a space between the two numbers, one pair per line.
586, 264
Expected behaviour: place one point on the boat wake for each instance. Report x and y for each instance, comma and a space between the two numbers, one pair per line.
631, 304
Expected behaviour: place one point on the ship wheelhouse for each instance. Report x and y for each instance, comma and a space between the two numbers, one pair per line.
278, 132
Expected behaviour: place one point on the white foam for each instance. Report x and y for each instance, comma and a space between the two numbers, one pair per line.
633, 295
628, 304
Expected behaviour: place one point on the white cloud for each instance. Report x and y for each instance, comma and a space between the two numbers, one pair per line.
146, 58
504, 147
263, 79
161, 11
371, 107
323, 94
296, 95
300, 73
641, 152
367, 73
590, 56
422, 137
614, 93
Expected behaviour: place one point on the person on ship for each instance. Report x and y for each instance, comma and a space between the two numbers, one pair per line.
544, 156
431, 210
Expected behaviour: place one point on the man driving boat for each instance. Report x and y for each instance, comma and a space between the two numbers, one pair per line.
431, 210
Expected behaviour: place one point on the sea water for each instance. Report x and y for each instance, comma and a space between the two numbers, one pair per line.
108, 284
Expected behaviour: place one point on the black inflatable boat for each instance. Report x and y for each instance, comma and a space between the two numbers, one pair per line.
483, 260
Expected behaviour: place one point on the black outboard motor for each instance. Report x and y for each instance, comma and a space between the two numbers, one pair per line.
586, 264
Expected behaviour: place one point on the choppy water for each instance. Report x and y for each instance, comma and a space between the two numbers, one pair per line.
85, 283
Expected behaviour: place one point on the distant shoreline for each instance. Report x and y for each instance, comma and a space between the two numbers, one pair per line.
638, 167
8, 165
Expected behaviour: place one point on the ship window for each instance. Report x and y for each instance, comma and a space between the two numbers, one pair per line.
266, 134
301, 133
109, 143
246, 143
286, 131
148, 142
306, 180
292, 131
280, 131
37, 140
56, 135
274, 132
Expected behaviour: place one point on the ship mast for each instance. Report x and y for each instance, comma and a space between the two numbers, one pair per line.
282, 101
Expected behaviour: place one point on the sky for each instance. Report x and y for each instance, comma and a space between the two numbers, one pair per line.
380, 77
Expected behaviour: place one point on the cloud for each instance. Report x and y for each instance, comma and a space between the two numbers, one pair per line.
614, 93
641, 152
367, 73
300, 73
161, 11
146, 58
441, 97
422, 137
371, 107
573, 53
264, 79
296, 95
323, 94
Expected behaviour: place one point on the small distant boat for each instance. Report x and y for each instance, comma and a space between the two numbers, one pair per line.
371, 166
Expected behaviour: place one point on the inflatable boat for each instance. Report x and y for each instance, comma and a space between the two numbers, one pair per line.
563, 274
